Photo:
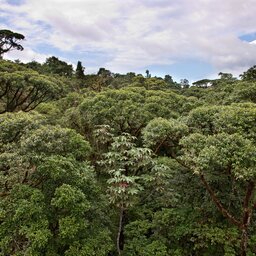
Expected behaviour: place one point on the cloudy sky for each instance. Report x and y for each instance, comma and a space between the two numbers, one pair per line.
191, 39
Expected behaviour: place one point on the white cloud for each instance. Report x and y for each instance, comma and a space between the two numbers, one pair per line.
26, 55
139, 33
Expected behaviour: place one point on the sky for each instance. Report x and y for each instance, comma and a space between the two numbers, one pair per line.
192, 39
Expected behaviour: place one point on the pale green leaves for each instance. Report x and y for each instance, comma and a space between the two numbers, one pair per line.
160, 131
56, 140
70, 198
237, 118
230, 154
14, 125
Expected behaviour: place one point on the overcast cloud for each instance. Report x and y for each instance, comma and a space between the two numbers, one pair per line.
134, 34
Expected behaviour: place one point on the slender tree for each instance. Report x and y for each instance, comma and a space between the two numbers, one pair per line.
79, 70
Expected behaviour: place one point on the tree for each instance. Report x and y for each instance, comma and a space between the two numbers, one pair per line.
226, 76
164, 135
79, 70
104, 72
168, 79
35, 66
131, 169
10, 40
220, 149
237, 168
148, 75
203, 83
250, 74
184, 83
229, 132
23, 89
129, 109
103, 79
55, 66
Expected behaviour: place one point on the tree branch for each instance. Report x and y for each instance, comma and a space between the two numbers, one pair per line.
159, 145
247, 210
219, 205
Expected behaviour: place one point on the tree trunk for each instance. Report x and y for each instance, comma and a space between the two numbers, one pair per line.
120, 228
247, 215
244, 242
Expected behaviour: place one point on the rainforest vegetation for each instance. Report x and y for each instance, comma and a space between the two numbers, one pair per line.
112, 164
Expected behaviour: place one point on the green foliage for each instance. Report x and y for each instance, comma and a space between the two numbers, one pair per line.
227, 77
224, 92
244, 92
237, 118
49, 140
121, 81
204, 83
14, 125
24, 226
35, 66
205, 154
125, 164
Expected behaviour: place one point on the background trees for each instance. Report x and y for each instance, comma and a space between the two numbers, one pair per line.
55, 66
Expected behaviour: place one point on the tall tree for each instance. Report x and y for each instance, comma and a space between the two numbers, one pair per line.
10, 40
130, 169
79, 70
148, 75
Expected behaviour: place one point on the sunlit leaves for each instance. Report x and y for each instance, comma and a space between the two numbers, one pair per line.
222, 152
56, 140
130, 109
160, 131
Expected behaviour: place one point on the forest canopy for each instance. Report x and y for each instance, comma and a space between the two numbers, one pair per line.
125, 164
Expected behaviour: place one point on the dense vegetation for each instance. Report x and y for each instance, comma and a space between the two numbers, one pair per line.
114, 164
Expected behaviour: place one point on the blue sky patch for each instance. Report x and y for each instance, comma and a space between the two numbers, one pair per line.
248, 37
190, 69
